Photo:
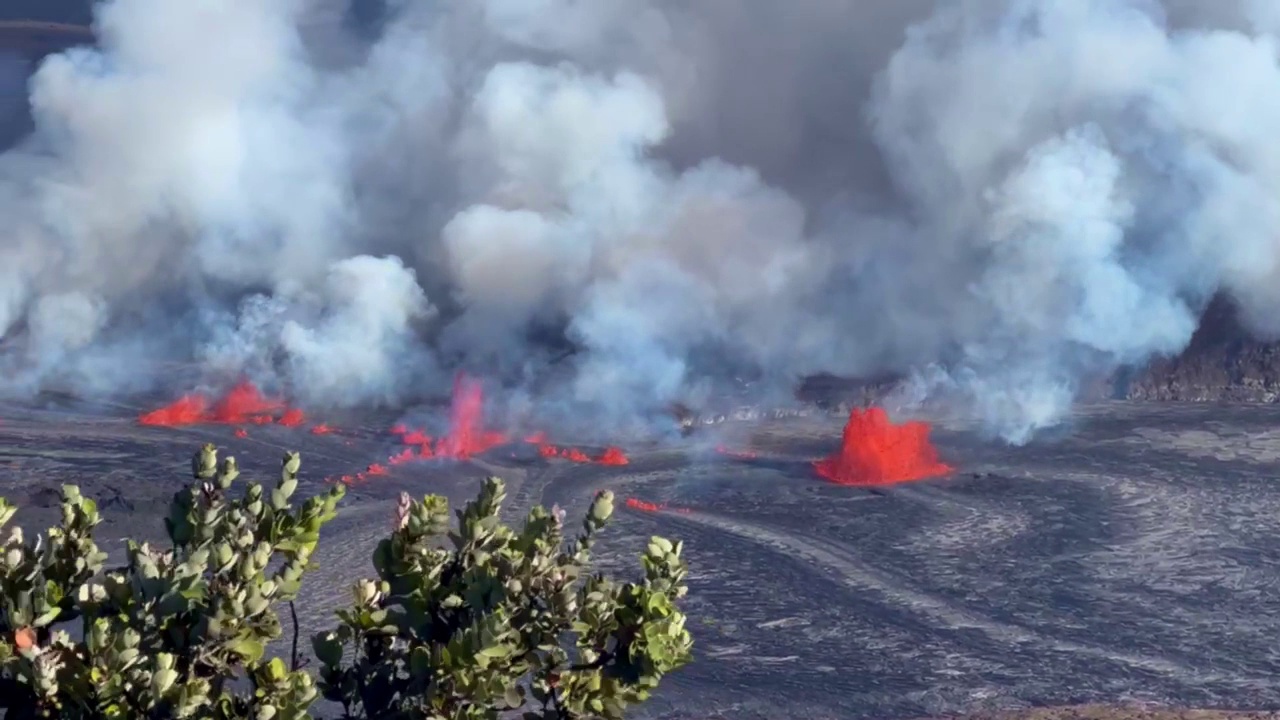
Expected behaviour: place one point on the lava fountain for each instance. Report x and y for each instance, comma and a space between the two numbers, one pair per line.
243, 404
874, 451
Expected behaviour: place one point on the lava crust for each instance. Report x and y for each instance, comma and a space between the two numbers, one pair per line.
1128, 560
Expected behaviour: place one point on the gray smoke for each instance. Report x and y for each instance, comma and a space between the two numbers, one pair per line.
616, 204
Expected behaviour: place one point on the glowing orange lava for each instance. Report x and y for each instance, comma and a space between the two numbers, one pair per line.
402, 457
415, 437
467, 435
613, 456
186, 410
243, 404
874, 451
645, 506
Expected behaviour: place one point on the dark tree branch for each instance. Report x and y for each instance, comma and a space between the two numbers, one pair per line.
293, 613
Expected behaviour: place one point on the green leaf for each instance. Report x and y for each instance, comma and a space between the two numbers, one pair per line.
514, 697
495, 651
276, 670
46, 618
247, 648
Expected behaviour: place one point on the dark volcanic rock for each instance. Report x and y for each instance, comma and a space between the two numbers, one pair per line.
837, 393
44, 498
1222, 363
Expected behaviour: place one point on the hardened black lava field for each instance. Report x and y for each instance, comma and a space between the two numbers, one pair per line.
1130, 558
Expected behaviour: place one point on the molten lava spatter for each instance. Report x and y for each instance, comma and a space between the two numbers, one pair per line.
402, 457
244, 404
467, 435
874, 451
645, 506
613, 456
416, 437
186, 410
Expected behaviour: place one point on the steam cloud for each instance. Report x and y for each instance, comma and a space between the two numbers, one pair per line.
1003, 198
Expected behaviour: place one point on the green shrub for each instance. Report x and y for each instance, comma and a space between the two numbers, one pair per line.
465, 623
502, 619
167, 634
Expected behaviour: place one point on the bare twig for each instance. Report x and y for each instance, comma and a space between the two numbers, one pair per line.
293, 613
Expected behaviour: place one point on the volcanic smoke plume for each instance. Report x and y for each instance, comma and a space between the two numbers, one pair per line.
610, 206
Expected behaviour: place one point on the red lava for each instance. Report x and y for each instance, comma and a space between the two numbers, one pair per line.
613, 456
467, 435
874, 451
402, 457
243, 404
644, 506
416, 437
186, 410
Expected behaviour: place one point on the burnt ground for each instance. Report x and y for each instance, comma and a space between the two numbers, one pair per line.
1130, 559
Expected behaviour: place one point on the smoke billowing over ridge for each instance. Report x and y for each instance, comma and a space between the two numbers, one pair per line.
621, 203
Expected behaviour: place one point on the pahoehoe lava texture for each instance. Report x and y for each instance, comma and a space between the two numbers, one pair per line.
1131, 559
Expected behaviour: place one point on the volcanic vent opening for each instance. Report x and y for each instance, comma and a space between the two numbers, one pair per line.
875, 451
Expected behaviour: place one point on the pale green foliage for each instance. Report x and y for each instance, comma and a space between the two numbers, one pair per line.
165, 635
502, 619
461, 623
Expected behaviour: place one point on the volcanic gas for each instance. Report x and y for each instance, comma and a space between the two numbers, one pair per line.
874, 451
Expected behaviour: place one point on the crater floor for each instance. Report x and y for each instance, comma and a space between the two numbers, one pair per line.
1130, 558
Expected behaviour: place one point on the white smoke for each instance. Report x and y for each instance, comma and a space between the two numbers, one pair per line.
1002, 198
1106, 174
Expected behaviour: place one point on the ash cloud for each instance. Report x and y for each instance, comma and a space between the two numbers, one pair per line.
610, 206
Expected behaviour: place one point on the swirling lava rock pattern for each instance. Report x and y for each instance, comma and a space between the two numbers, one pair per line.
1130, 557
